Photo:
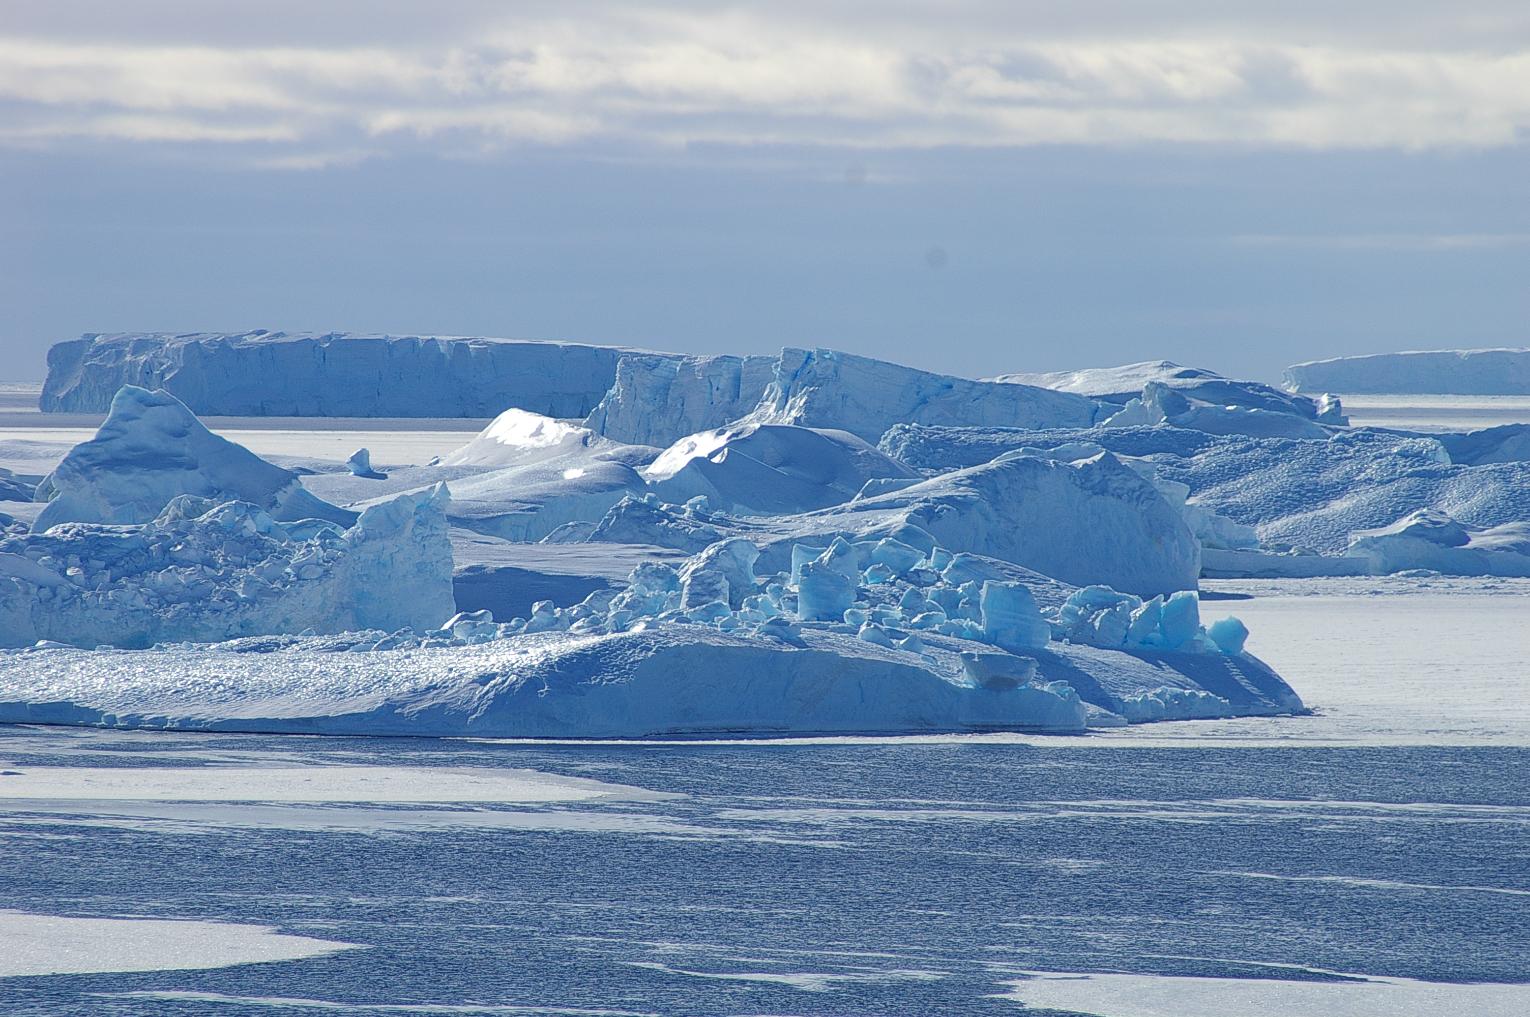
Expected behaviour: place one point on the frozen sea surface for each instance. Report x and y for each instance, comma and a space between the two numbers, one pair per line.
821, 879
1373, 859
1436, 413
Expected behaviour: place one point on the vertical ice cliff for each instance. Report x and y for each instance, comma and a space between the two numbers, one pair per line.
825, 388
333, 374
204, 571
658, 399
1442, 372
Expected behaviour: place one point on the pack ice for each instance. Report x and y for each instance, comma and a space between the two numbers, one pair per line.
863, 637
809, 543
1268, 506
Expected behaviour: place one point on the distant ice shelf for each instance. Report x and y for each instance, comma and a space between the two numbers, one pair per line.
333, 374
1426, 372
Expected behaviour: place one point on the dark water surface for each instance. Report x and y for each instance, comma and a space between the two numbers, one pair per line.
860, 878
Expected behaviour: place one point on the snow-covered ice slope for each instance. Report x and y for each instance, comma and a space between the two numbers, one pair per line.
203, 571
673, 682
1111, 384
1190, 386
150, 449
517, 438
333, 374
658, 399
1163, 404
1432, 540
531, 501
1507, 443
825, 388
1444, 372
1307, 493
1091, 521
770, 468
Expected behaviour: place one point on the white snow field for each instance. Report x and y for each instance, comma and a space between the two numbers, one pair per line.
1390, 660
35, 944
1428, 372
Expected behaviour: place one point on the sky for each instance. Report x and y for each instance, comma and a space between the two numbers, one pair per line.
967, 186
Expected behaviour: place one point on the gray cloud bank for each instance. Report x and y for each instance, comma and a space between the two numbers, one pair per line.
315, 84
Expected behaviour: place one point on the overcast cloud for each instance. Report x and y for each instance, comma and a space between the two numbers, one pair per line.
973, 186
343, 80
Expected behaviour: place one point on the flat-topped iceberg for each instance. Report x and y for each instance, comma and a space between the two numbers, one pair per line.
1443, 372
332, 374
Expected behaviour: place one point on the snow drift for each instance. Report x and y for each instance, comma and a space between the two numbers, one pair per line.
517, 437
1432, 540
765, 469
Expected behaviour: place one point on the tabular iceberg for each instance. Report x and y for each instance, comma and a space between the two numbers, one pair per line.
333, 374
1445, 372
